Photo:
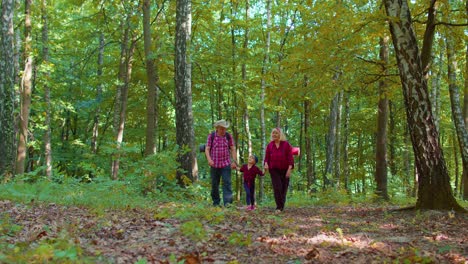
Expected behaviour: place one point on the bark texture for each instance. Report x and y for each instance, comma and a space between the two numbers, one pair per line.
183, 94
7, 86
434, 190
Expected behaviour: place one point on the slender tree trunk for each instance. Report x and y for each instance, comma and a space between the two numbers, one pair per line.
153, 78
345, 141
457, 114
45, 61
465, 173
100, 62
7, 88
407, 175
308, 146
392, 164
455, 161
382, 120
233, 80
265, 63
126, 65
185, 135
331, 141
25, 92
337, 163
434, 182
244, 81
435, 91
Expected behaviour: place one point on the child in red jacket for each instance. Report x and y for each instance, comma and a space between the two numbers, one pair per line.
250, 171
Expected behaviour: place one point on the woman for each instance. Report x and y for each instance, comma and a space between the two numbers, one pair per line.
279, 162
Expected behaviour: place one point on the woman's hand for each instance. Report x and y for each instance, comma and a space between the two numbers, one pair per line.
288, 173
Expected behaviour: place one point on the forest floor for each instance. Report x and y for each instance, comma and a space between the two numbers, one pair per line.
335, 234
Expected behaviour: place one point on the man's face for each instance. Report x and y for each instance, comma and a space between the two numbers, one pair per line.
221, 130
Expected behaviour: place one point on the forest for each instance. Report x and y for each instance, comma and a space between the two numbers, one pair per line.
103, 106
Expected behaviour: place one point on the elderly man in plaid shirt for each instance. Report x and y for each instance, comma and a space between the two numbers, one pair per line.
221, 155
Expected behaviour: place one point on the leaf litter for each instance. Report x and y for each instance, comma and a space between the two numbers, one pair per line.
319, 234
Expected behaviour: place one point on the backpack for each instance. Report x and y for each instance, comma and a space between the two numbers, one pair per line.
212, 136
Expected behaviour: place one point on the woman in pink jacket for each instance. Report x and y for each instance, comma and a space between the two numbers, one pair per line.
279, 162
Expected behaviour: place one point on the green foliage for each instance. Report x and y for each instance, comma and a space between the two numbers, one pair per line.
60, 249
243, 240
194, 230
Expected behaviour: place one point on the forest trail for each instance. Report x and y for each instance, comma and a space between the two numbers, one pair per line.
298, 235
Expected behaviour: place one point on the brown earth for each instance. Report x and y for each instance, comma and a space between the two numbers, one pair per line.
297, 235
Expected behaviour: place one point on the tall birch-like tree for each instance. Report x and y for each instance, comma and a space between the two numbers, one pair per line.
7, 88
434, 190
454, 91
25, 92
185, 135
125, 71
45, 62
263, 85
97, 114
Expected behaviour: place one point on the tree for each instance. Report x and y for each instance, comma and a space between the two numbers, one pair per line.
152, 75
434, 190
454, 91
263, 84
25, 92
185, 136
125, 72
47, 100
382, 120
7, 86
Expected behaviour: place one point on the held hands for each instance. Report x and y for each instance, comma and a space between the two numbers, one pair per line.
234, 164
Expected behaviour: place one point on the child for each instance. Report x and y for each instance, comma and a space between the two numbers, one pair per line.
250, 171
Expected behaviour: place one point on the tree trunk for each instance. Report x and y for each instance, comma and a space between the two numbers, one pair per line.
331, 141
434, 182
100, 62
126, 65
153, 78
465, 173
244, 81
345, 141
435, 91
382, 120
185, 136
457, 114
392, 164
337, 163
266, 59
25, 93
308, 146
45, 58
7, 88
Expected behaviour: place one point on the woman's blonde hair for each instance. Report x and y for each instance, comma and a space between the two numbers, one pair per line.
282, 135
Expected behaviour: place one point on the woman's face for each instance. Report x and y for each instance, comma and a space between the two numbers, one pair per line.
275, 135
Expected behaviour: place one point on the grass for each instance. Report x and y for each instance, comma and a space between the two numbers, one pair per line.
191, 205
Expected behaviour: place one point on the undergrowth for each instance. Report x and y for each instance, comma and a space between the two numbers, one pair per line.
191, 205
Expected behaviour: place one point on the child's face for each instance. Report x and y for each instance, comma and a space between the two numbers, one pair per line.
251, 160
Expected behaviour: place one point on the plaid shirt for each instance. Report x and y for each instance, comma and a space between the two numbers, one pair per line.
250, 174
220, 151
279, 158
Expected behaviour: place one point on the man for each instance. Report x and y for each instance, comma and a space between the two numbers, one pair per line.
221, 155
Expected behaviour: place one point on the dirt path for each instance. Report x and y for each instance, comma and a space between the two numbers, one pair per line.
298, 235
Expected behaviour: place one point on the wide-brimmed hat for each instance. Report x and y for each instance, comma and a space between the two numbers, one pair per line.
222, 123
